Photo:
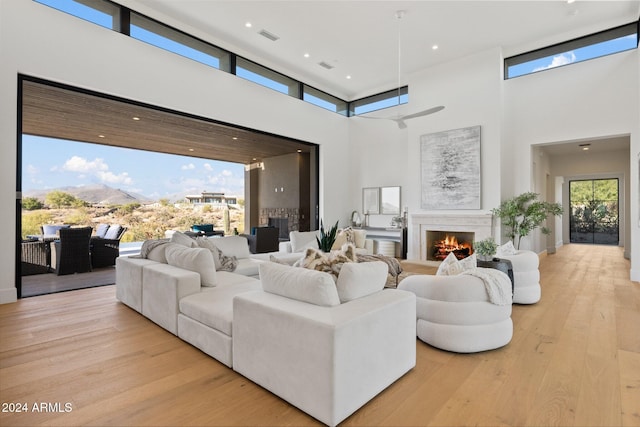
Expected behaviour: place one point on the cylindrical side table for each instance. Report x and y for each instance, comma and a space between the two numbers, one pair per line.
386, 247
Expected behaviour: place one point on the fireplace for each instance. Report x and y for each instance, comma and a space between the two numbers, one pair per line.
441, 243
283, 226
478, 226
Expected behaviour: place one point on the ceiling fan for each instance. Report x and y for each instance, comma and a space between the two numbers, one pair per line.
400, 119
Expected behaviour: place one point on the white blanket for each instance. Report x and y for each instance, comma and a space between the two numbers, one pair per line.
496, 283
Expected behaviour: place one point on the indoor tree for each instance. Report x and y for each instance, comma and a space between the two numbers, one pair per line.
524, 213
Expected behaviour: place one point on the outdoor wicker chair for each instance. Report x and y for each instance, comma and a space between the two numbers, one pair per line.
71, 254
104, 251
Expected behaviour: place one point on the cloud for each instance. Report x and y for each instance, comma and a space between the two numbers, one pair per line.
208, 167
557, 61
190, 166
111, 178
79, 164
227, 172
94, 168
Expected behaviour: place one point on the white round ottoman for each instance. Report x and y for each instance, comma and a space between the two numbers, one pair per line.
526, 276
454, 313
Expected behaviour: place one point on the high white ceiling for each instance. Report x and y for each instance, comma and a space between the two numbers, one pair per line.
360, 38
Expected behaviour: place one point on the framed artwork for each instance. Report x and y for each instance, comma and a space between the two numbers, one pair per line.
390, 200
371, 200
450, 169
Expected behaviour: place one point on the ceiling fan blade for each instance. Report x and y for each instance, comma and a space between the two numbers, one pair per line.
423, 113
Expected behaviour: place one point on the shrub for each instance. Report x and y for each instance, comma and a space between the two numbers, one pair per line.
31, 204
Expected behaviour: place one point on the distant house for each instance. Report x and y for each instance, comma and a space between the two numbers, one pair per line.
211, 199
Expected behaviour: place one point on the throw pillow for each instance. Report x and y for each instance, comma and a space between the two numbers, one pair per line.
451, 266
277, 261
301, 284
182, 239
506, 249
236, 246
227, 263
206, 243
331, 262
361, 237
346, 235
199, 260
357, 280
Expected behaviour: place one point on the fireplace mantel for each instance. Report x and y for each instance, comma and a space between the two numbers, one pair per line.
479, 223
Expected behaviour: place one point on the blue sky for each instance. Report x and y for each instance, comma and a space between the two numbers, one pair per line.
49, 163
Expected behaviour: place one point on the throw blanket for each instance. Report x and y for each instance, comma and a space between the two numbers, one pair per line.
497, 284
393, 264
149, 245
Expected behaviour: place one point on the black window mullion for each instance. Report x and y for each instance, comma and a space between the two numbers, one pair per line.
125, 21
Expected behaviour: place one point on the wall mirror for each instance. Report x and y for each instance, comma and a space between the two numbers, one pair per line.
371, 200
390, 200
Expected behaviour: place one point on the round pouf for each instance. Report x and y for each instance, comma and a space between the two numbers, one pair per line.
454, 313
526, 277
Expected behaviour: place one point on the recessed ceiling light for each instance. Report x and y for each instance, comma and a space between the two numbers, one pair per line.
570, 1
348, 77
299, 151
248, 24
306, 55
100, 136
584, 147
192, 150
434, 47
136, 118
234, 138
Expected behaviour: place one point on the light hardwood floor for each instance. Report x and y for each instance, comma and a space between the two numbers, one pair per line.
574, 360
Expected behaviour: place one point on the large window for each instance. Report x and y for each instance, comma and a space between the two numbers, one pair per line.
593, 46
167, 38
101, 12
378, 102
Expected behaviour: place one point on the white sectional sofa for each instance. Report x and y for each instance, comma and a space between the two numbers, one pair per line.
326, 348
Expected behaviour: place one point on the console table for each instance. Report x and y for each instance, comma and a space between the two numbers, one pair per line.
385, 236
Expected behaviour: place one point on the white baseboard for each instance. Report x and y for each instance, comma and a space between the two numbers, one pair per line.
8, 295
634, 275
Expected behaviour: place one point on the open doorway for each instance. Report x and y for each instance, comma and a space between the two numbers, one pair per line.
63, 113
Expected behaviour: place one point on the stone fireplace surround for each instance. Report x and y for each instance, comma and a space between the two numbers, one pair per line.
479, 223
291, 214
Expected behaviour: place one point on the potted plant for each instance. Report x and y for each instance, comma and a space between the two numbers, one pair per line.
524, 213
485, 248
327, 238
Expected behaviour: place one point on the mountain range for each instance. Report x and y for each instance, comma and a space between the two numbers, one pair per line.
96, 193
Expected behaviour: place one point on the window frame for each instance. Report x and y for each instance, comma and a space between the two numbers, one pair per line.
570, 45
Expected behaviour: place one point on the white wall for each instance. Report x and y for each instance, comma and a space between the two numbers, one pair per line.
39, 41
589, 100
470, 90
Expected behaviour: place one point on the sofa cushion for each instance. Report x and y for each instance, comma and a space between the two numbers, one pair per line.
158, 252
357, 280
232, 246
214, 306
199, 260
301, 240
113, 232
102, 230
52, 230
182, 239
301, 284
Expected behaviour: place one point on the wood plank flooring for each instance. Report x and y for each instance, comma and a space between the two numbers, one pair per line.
41, 284
574, 360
